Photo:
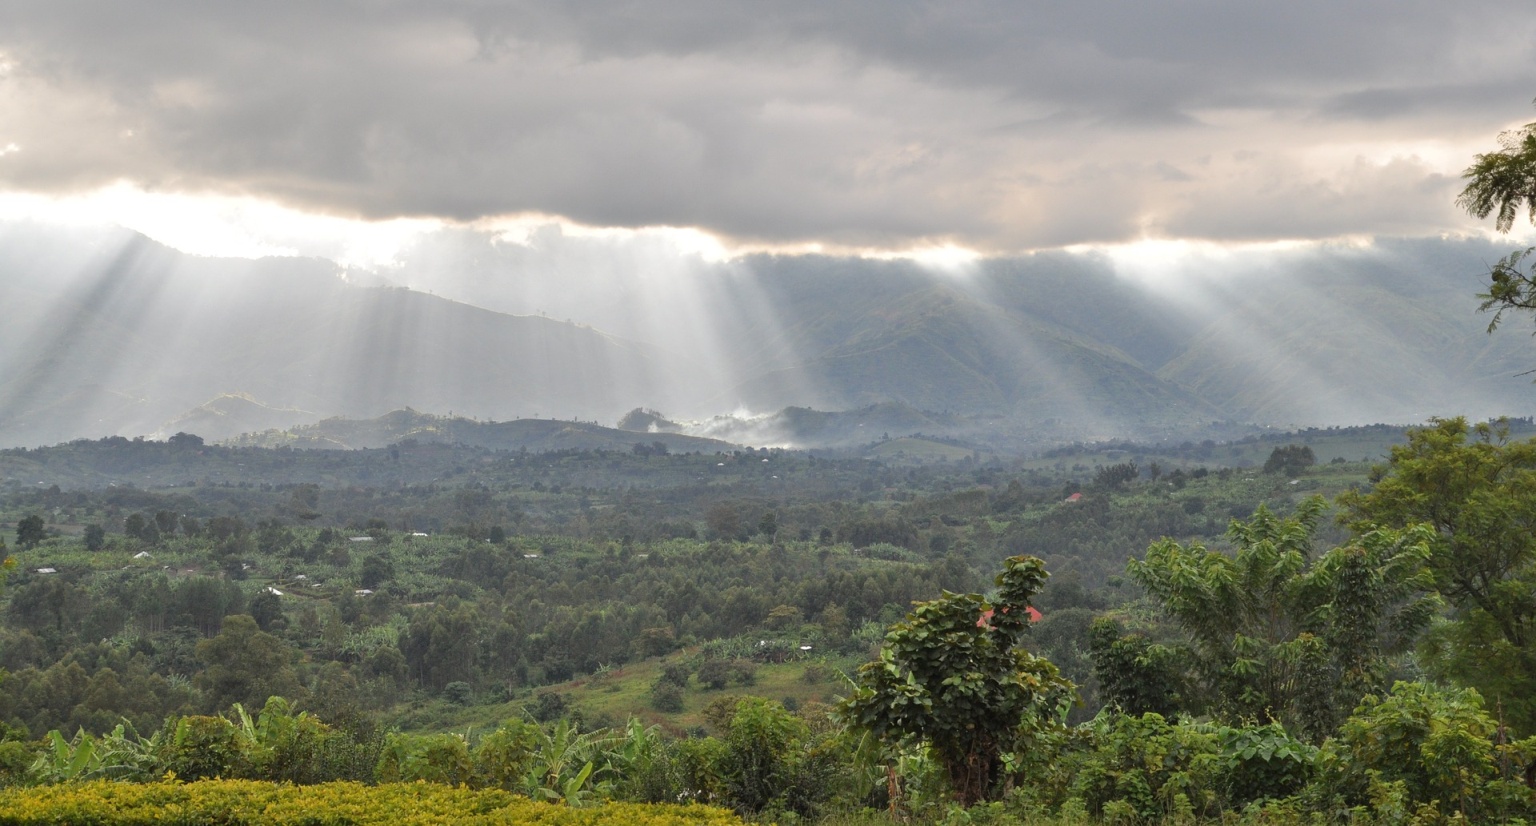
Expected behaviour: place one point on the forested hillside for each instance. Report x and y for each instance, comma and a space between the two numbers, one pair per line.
648, 625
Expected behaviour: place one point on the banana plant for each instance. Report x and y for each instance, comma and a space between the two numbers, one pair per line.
121, 754
637, 758
639, 744
124, 754
66, 760
574, 792
554, 774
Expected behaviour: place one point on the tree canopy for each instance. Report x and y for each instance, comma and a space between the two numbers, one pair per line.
1503, 184
1477, 490
1275, 634
1500, 183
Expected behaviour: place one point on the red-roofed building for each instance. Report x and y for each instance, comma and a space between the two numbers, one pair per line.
986, 616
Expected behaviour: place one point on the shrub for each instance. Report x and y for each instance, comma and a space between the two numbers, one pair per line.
264, 804
548, 707
675, 673
459, 693
202, 747
1262, 763
503, 757
15, 759
433, 758
666, 697
1425, 747
1139, 765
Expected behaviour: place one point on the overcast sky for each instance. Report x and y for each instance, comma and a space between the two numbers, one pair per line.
996, 127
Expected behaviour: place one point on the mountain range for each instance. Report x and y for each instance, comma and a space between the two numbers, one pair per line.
112, 333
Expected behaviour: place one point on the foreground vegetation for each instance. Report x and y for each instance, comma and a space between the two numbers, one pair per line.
1291, 642
261, 804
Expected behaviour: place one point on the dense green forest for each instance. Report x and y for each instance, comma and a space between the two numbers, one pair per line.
1289, 638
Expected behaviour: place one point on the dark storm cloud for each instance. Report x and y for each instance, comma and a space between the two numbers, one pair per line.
997, 125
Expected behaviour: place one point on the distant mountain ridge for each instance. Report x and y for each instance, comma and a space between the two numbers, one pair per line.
533, 435
115, 334
943, 350
145, 336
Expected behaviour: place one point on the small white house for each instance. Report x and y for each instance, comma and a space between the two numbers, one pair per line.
142, 555
273, 591
47, 570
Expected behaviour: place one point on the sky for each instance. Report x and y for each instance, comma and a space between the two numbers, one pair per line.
351, 130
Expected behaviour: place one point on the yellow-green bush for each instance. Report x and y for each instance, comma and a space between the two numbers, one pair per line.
107, 803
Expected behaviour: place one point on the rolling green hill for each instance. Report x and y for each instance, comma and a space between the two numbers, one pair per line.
533, 435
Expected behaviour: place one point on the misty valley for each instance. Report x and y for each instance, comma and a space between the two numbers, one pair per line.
774, 539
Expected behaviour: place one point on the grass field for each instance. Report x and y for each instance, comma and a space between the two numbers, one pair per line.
916, 449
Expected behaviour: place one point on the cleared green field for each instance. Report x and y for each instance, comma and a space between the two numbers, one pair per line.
614, 696
919, 450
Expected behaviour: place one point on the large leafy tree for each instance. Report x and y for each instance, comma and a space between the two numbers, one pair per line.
245, 665
953, 676
30, 531
1477, 490
1274, 634
440, 645
1290, 459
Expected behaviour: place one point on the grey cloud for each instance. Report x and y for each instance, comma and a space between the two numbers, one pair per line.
855, 123
1434, 100
1272, 199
